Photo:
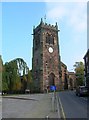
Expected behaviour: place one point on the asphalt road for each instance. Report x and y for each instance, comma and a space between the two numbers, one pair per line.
73, 106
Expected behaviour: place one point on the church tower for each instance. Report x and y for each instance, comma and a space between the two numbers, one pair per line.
46, 65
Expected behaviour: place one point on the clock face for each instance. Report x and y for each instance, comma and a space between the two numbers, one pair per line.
50, 49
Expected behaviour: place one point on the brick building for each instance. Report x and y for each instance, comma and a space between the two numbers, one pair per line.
68, 78
86, 61
64, 76
46, 66
71, 80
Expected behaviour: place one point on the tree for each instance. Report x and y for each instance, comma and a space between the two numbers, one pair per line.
22, 71
14, 77
10, 80
16, 81
79, 72
30, 81
5, 79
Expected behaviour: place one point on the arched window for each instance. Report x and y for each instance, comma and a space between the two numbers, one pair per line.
51, 79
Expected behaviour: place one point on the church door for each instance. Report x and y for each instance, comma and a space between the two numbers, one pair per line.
51, 79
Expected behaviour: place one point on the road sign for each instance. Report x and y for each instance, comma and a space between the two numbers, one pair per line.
52, 87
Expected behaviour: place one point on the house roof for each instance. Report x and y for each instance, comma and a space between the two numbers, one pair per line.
63, 64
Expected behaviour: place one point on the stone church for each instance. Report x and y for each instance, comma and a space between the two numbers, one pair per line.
46, 65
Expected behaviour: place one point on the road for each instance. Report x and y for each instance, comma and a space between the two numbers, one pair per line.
72, 105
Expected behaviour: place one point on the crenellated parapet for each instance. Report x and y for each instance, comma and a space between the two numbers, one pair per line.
44, 25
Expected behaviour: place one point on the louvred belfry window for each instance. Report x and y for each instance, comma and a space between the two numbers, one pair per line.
49, 39
37, 41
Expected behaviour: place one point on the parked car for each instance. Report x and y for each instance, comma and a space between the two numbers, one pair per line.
81, 91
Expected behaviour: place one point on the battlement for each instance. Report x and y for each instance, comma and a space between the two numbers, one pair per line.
49, 26
46, 26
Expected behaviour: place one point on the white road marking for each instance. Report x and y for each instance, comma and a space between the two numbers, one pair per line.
64, 117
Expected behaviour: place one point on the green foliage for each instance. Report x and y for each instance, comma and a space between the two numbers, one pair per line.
17, 84
16, 76
29, 81
79, 71
11, 77
5, 80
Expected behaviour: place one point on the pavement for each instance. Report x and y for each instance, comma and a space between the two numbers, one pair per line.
31, 106
0, 107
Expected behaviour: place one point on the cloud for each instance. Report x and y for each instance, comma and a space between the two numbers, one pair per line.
74, 13
78, 17
72, 17
56, 13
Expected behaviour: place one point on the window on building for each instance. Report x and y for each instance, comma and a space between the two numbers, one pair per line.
50, 39
37, 41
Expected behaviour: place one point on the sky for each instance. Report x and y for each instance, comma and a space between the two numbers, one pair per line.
18, 19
